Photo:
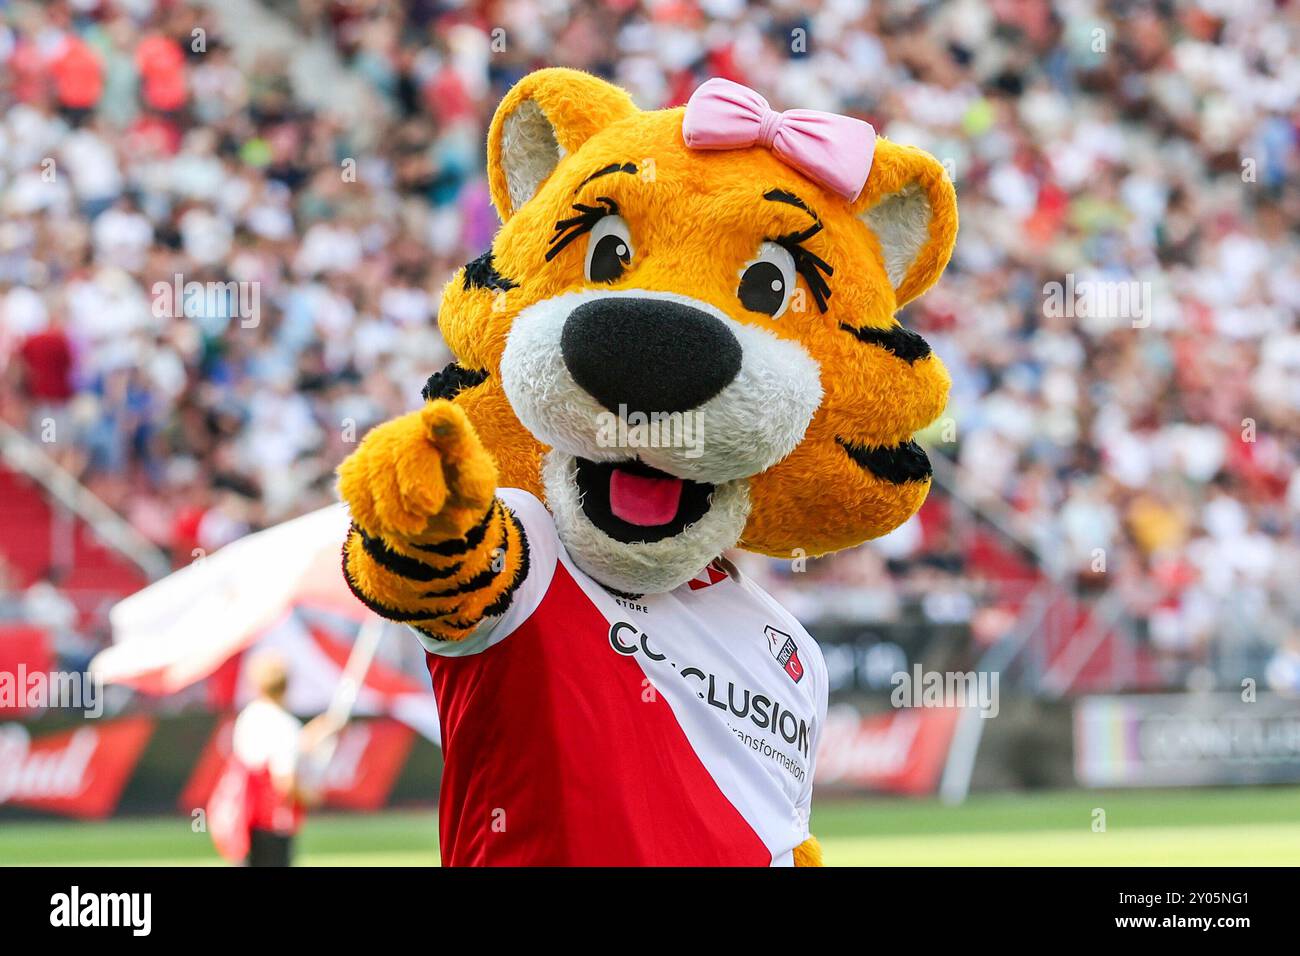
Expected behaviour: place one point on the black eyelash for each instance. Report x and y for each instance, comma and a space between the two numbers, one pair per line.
808, 264
566, 230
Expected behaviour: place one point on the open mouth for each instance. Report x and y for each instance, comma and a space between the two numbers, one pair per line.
634, 503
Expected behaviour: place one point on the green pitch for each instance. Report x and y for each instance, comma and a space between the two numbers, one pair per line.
1243, 827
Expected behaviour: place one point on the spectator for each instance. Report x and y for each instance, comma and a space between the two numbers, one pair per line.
277, 753
1148, 452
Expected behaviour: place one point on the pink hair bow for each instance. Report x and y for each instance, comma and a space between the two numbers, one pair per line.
828, 148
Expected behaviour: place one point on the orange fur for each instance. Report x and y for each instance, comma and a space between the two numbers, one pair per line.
578, 106
697, 217
426, 480
808, 853
417, 484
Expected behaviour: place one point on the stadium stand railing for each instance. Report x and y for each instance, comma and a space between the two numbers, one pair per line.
1061, 642
23, 455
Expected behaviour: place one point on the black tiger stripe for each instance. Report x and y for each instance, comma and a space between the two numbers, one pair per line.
451, 381
458, 546
498, 606
383, 610
902, 342
484, 577
451, 625
897, 465
400, 564
481, 273
502, 603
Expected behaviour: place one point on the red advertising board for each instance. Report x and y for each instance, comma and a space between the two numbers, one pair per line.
366, 763
79, 772
23, 650
902, 751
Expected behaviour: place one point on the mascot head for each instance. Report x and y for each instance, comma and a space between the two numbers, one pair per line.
683, 338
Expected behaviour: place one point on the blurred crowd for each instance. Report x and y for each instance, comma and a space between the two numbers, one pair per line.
1148, 451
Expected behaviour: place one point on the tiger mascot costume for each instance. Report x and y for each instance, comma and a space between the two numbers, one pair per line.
612, 689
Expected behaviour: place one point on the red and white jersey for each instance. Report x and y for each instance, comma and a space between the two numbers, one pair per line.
265, 742
584, 728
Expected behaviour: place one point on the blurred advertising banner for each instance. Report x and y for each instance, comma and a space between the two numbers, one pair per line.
901, 751
23, 650
64, 764
1163, 740
78, 772
360, 776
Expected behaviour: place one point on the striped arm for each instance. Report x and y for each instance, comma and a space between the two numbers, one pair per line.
431, 545
443, 589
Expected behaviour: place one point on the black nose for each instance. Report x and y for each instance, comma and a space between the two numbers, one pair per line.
648, 355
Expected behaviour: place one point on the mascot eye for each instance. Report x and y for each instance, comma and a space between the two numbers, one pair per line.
609, 249
767, 282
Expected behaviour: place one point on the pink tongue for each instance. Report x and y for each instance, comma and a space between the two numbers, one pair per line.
642, 500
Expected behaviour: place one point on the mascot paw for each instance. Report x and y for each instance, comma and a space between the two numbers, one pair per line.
808, 853
423, 476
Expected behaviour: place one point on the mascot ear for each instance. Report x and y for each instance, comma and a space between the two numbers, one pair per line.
910, 206
546, 116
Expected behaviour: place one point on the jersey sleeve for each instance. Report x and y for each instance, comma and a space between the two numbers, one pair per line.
541, 545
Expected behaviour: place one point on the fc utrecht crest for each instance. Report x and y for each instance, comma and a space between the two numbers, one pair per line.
785, 651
